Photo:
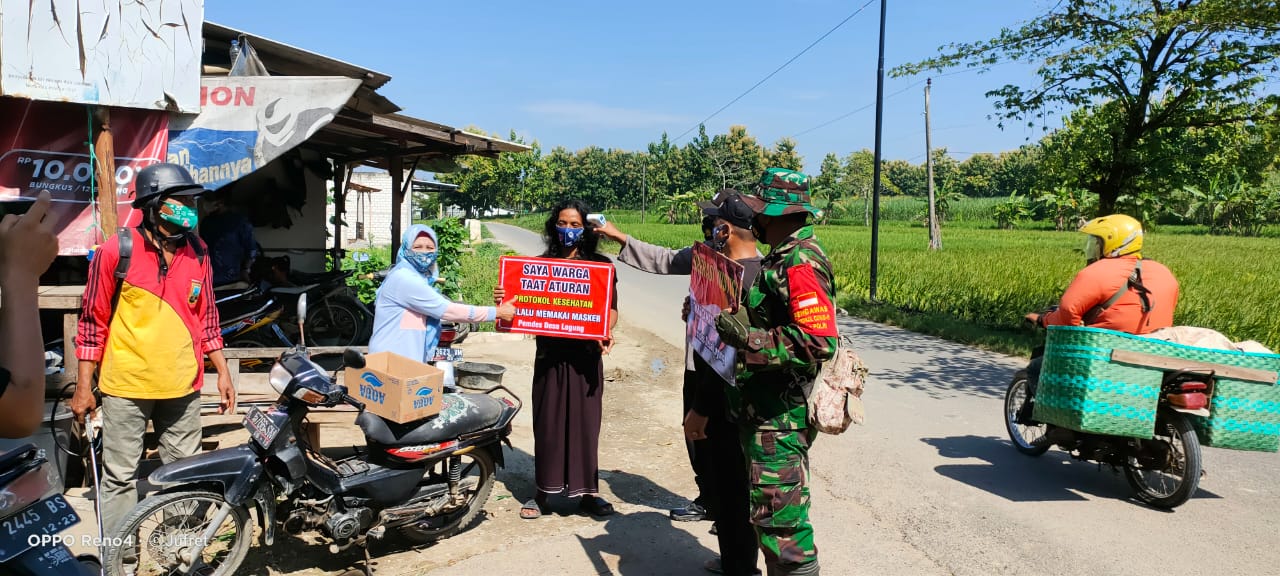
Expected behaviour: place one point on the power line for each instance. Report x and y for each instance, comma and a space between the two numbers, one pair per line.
851, 113
771, 74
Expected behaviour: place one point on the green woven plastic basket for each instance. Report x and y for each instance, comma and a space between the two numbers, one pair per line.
1243, 416
1081, 389
1088, 391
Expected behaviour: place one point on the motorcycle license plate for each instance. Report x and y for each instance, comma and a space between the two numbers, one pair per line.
447, 355
260, 427
44, 518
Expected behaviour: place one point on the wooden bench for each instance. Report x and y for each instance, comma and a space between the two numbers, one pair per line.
66, 299
235, 355
254, 389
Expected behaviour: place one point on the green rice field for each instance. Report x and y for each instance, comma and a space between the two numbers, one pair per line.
984, 280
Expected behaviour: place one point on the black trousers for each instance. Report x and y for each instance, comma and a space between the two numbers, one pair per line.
699, 450
721, 472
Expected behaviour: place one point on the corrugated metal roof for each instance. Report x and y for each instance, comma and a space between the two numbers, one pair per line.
284, 60
367, 130
289, 60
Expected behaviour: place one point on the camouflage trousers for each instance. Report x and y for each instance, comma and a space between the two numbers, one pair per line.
778, 466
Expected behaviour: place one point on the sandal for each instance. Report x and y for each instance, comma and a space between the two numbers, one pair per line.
596, 506
533, 510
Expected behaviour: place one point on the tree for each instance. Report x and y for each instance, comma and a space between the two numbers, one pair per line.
977, 176
860, 177
553, 177
829, 187
1161, 64
1018, 171
830, 179
1173, 160
907, 177
784, 155
485, 183
737, 158
946, 172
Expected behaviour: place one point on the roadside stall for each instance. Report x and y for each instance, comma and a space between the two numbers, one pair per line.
278, 128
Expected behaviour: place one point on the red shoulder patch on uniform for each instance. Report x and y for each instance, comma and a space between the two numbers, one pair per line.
810, 307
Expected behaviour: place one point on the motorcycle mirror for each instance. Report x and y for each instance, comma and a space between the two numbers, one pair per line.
352, 358
302, 316
360, 256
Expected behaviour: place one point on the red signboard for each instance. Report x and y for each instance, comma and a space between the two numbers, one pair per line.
44, 146
558, 297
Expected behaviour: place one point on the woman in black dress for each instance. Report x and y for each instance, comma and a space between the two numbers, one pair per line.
568, 385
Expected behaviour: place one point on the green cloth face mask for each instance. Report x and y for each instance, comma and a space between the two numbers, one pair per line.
179, 215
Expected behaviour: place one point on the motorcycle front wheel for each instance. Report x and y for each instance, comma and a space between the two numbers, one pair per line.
1029, 439
1175, 483
334, 322
161, 530
477, 473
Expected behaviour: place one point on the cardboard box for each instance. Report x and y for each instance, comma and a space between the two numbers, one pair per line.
397, 388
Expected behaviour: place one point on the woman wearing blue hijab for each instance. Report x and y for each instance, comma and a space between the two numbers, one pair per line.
409, 309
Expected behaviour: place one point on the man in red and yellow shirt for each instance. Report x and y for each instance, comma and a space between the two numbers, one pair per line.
149, 333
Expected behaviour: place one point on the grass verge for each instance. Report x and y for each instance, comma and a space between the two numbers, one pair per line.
479, 275
977, 289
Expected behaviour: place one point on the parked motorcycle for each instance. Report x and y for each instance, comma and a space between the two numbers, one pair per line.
336, 318
1163, 471
32, 516
428, 479
249, 319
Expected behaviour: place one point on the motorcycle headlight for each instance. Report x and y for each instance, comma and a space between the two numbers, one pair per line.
279, 377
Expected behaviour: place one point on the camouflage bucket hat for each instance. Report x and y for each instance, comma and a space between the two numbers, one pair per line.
780, 192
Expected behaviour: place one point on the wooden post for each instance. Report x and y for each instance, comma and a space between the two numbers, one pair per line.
105, 171
397, 198
70, 362
935, 230
339, 210
405, 194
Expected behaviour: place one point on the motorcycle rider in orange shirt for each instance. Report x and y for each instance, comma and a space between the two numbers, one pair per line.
1119, 289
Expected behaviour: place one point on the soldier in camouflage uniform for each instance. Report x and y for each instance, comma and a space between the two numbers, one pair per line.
784, 330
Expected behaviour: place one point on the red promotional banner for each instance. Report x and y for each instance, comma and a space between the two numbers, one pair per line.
44, 146
558, 297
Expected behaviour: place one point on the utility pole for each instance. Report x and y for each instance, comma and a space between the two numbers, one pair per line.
935, 230
875, 179
644, 189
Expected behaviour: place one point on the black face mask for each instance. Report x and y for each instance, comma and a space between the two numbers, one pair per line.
719, 238
757, 228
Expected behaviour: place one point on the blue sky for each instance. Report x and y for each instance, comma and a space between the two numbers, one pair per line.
618, 74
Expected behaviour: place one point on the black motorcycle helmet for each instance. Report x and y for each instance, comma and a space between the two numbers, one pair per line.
159, 181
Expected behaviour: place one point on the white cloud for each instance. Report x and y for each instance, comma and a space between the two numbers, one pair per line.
595, 115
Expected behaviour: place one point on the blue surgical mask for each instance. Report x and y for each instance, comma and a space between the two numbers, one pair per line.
569, 236
421, 261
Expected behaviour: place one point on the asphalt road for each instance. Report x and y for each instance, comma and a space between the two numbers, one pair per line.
931, 485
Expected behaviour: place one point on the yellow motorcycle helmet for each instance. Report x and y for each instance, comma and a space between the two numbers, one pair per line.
1112, 237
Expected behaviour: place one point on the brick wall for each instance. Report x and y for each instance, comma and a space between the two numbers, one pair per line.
376, 213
